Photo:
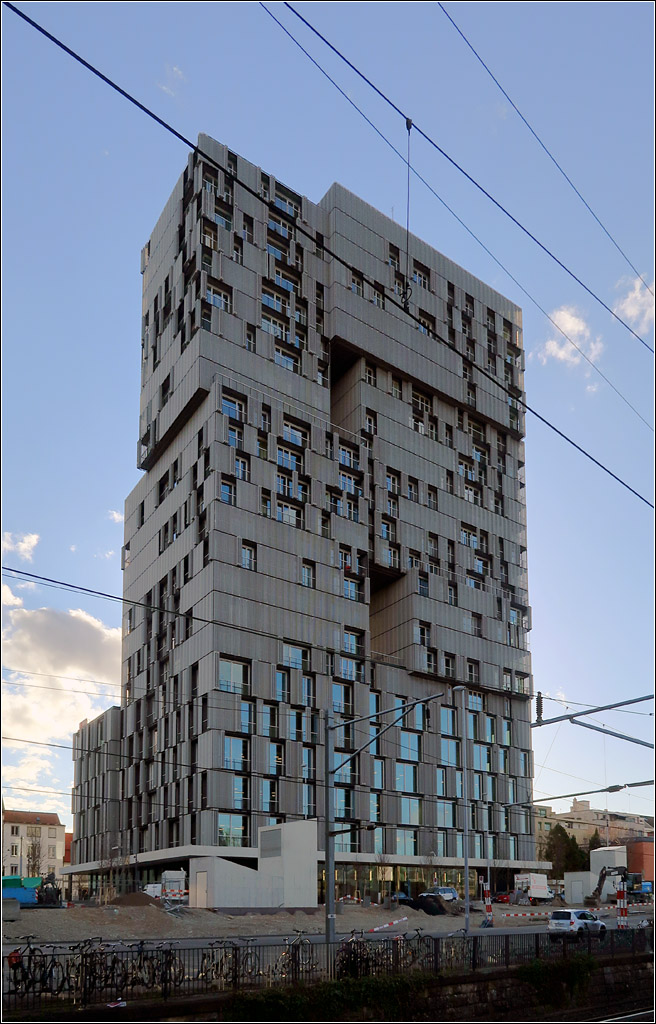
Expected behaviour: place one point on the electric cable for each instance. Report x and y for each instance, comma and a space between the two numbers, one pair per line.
469, 177
460, 221
545, 148
211, 160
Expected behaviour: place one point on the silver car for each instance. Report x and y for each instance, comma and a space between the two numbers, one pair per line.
574, 924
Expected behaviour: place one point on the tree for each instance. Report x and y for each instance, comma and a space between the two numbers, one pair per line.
564, 852
595, 841
34, 858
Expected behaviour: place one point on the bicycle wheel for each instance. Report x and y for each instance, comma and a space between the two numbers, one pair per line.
147, 973
117, 975
55, 978
176, 970
206, 969
36, 969
306, 957
250, 963
19, 979
283, 965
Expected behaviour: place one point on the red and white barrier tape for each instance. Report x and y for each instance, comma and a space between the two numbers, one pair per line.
388, 925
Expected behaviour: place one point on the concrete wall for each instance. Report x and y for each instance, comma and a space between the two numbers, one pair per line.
286, 875
607, 857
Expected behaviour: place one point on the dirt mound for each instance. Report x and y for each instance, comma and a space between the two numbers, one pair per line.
135, 899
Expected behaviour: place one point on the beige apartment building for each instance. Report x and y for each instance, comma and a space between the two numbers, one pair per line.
331, 517
615, 828
32, 844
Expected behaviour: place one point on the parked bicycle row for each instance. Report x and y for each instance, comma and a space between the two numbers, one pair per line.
96, 971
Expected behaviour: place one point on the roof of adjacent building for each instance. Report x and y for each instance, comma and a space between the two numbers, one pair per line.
30, 818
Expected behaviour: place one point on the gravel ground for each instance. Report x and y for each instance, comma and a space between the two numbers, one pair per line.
151, 922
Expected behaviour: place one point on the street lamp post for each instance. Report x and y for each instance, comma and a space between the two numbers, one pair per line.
465, 799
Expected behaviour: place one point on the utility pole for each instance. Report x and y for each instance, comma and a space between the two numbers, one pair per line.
465, 799
329, 818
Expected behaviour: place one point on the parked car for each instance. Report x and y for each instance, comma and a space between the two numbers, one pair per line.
501, 897
447, 892
401, 897
574, 924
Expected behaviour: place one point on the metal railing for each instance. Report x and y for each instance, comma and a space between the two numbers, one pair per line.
90, 972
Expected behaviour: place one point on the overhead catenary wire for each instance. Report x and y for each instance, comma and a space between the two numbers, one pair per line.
301, 230
117, 686
460, 221
469, 177
545, 148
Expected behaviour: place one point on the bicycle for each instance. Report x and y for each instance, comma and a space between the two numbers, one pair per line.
141, 969
213, 966
353, 958
247, 958
169, 967
297, 957
419, 950
81, 976
27, 966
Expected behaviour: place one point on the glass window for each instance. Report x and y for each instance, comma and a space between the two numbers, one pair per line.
249, 557
447, 721
309, 575
440, 784
233, 676
411, 810
450, 752
232, 830
445, 814
406, 842
282, 685
406, 777
378, 774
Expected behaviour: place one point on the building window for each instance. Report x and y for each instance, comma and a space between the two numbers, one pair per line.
228, 491
232, 830
249, 557
234, 676
282, 685
309, 575
450, 752
413, 489
242, 468
406, 842
370, 374
421, 275
406, 777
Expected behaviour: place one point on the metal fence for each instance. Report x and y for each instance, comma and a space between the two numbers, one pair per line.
96, 972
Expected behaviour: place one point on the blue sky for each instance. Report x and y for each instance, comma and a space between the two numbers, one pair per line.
85, 176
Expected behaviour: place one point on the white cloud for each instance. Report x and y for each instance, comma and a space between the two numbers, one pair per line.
165, 88
177, 72
637, 305
56, 644
116, 517
105, 554
73, 548
558, 348
9, 599
23, 544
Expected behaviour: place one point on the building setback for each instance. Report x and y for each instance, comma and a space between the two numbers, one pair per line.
331, 516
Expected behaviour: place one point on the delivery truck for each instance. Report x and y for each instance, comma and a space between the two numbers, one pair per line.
171, 887
535, 887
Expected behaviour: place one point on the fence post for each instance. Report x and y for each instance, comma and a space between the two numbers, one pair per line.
633, 941
474, 959
236, 966
437, 948
167, 966
506, 949
537, 945
612, 942
295, 951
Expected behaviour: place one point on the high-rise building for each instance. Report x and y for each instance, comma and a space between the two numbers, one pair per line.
331, 516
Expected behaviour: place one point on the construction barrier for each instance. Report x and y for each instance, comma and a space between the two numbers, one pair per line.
622, 910
488, 903
388, 925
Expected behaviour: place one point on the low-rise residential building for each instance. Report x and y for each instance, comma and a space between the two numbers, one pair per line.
582, 821
32, 844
